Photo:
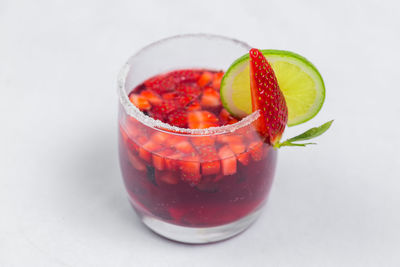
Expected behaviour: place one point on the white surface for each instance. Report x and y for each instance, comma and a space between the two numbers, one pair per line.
62, 202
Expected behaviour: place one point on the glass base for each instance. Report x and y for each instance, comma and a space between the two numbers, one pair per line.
193, 235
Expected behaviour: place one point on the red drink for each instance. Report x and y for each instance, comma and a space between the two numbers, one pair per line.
188, 179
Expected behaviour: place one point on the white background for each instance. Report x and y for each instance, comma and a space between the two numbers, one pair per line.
62, 202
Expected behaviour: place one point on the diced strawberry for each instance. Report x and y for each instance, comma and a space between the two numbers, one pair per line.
228, 139
226, 118
170, 95
210, 98
190, 169
256, 151
140, 102
147, 148
200, 141
160, 137
173, 140
205, 78
194, 106
178, 118
191, 91
202, 119
183, 100
158, 161
237, 147
210, 163
166, 107
139, 141
243, 158
167, 177
161, 83
228, 160
185, 147
217, 80
185, 75
176, 213
137, 163
152, 97
171, 161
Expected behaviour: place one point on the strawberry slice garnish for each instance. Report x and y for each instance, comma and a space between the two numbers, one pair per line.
267, 98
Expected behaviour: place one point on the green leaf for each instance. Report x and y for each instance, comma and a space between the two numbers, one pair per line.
307, 135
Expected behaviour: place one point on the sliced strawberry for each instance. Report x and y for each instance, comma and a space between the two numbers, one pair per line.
170, 95
210, 98
185, 75
202, 119
178, 118
145, 151
152, 97
161, 83
210, 163
185, 147
167, 177
159, 137
217, 80
171, 161
205, 78
256, 150
173, 140
228, 160
194, 106
267, 97
140, 102
226, 118
244, 158
191, 91
190, 169
183, 100
199, 141
227, 139
137, 163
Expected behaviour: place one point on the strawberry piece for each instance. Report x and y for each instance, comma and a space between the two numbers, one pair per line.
171, 161
210, 163
202, 119
158, 162
227, 139
256, 151
200, 141
240, 150
228, 160
169, 96
185, 147
190, 169
178, 118
244, 158
137, 163
147, 148
140, 102
217, 80
152, 97
194, 106
210, 98
167, 178
161, 83
267, 97
159, 137
226, 118
185, 75
191, 91
173, 140
205, 78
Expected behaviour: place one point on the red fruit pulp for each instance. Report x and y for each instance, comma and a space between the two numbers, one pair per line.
189, 180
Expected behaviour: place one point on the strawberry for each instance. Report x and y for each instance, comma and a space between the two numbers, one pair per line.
256, 150
192, 91
210, 163
185, 147
202, 119
210, 98
178, 118
205, 78
136, 162
147, 148
169, 95
226, 118
267, 97
190, 169
228, 160
159, 137
194, 106
140, 102
167, 177
216, 83
152, 97
199, 141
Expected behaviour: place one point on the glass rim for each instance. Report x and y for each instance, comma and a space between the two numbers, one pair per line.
134, 112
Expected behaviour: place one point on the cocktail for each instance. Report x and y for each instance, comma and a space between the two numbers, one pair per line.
197, 164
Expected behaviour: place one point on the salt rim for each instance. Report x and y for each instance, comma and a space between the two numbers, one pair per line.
134, 112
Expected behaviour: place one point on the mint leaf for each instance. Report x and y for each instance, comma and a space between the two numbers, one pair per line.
307, 135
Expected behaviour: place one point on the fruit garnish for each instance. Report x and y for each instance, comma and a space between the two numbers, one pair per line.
298, 79
267, 98
251, 84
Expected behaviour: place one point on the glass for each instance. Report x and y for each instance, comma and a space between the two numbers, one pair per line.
220, 204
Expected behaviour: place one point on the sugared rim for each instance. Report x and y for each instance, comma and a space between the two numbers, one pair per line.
134, 112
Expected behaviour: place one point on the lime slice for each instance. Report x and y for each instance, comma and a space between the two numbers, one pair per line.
299, 80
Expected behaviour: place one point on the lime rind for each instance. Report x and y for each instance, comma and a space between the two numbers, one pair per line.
276, 58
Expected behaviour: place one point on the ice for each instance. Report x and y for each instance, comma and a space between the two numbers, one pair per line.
134, 112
